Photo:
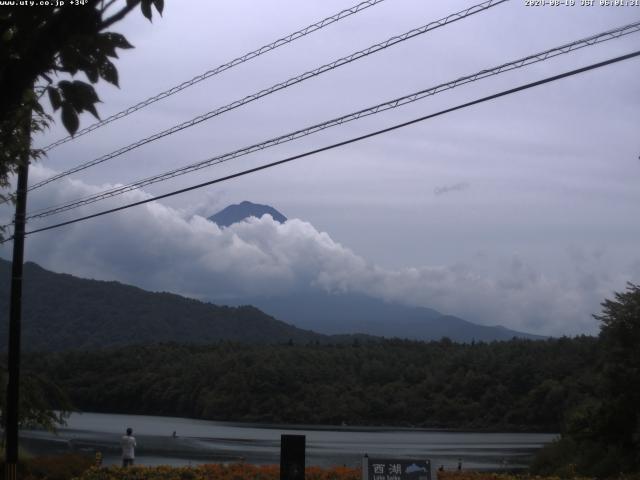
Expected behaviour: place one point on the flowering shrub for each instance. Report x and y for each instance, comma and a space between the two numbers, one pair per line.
238, 471
470, 475
68, 467
51, 467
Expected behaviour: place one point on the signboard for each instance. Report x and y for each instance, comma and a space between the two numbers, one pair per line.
396, 469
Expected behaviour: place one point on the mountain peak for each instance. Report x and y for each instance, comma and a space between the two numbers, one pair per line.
241, 211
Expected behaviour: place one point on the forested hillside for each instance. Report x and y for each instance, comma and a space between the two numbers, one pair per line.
63, 312
513, 385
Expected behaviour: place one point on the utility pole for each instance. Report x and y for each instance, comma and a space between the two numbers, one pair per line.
15, 312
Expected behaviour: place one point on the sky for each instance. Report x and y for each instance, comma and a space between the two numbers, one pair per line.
519, 212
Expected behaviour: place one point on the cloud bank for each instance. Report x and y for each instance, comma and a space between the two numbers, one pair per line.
163, 249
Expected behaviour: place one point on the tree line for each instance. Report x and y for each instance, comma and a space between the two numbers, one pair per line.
515, 385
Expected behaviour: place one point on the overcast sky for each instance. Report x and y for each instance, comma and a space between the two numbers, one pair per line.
521, 212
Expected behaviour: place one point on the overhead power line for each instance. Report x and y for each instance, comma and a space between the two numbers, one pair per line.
346, 142
512, 65
279, 86
219, 69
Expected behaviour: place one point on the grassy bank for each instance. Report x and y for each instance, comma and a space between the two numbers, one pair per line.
77, 467
271, 472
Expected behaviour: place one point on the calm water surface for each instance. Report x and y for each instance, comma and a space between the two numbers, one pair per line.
200, 441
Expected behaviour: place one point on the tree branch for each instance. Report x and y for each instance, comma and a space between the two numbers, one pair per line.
104, 8
118, 16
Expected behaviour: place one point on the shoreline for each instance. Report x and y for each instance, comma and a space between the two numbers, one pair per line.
200, 441
338, 427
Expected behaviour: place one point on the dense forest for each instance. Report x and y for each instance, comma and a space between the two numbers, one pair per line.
521, 384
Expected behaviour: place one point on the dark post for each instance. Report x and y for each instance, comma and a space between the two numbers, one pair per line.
15, 315
292, 461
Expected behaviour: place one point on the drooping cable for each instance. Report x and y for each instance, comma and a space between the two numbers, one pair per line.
346, 142
512, 65
279, 86
219, 69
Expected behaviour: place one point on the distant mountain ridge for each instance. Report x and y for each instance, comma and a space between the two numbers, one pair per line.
347, 313
241, 211
62, 312
351, 313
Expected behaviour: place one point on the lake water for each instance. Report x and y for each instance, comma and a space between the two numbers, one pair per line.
200, 441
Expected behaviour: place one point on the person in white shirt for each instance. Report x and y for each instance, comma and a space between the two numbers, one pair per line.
128, 444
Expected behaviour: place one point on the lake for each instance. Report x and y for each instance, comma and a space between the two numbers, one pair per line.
201, 441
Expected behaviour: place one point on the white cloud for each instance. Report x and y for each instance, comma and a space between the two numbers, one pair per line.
160, 248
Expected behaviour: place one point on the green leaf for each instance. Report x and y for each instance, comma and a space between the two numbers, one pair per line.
69, 60
92, 108
106, 46
65, 87
117, 40
70, 118
159, 4
54, 98
145, 6
109, 72
71, 95
37, 108
80, 96
8, 34
92, 73
85, 93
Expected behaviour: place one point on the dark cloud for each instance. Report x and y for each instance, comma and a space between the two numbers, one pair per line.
456, 187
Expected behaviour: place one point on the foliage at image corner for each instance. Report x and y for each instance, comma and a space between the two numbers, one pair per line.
43, 404
41, 52
38, 46
601, 435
